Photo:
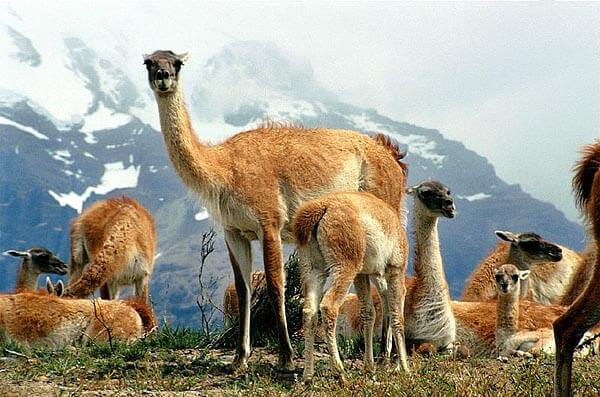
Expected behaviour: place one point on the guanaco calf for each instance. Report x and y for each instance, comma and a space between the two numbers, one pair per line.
510, 341
36, 261
113, 245
354, 237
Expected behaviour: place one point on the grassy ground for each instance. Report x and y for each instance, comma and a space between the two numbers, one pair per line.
182, 362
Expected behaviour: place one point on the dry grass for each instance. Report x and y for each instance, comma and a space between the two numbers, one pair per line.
179, 362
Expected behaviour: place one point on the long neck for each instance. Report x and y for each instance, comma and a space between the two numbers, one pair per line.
195, 163
516, 257
27, 278
507, 313
428, 260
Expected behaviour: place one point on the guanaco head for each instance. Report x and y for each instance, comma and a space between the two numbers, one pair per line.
532, 247
40, 260
508, 277
163, 70
435, 197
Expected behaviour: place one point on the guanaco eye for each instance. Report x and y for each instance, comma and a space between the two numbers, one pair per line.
515, 277
498, 278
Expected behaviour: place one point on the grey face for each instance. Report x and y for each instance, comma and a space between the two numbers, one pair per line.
508, 276
43, 260
436, 197
163, 70
535, 248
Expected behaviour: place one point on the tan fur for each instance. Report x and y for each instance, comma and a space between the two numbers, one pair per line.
548, 283
113, 245
358, 237
476, 323
584, 313
350, 323
583, 277
254, 182
44, 320
231, 304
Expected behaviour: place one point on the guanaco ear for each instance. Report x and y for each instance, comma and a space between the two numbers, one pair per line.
20, 254
59, 288
523, 274
49, 286
506, 236
412, 190
183, 58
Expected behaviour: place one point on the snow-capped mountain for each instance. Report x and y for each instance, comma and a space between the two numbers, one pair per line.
78, 124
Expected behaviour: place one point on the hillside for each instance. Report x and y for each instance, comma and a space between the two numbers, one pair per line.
181, 363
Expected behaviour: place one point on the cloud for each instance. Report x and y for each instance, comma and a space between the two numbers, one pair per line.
518, 82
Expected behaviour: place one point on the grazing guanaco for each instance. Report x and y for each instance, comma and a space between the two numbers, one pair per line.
253, 183
354, 237
113, 244
510, 341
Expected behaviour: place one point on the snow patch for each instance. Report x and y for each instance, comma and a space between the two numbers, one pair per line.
475, 197
35, 133
102, 119
202, 215
61, 155
217, 130
116, 176
417, 144
115, 146
283, 107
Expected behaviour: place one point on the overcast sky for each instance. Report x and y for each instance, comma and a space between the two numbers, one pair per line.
517, 82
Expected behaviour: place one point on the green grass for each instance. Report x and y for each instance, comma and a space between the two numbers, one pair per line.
182, 360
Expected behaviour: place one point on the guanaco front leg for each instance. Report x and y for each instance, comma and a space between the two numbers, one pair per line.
240, 255
273, 262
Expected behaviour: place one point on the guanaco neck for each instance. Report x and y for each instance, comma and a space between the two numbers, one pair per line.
27, 278
429, 268
197, 164
516, 257
507, 313
432, 314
